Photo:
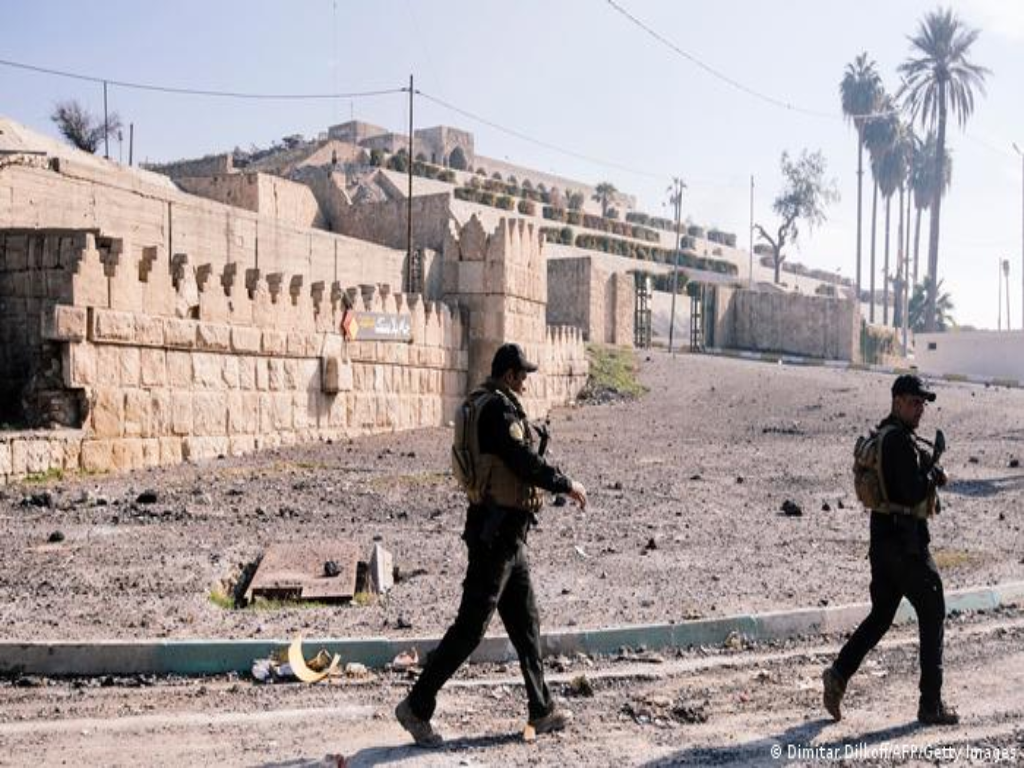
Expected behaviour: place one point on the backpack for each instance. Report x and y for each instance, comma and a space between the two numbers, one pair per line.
466, 444
867, 469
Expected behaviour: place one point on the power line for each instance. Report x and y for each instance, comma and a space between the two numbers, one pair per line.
714, 72
198, 91
539, 142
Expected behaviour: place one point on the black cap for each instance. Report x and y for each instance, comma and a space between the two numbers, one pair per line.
908, 384
510, 357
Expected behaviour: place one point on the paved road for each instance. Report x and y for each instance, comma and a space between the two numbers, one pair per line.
755, 699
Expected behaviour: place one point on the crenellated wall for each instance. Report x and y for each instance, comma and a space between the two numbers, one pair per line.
155, 327
164, 367
500, 280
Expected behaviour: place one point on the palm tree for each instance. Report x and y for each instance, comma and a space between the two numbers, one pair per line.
922, 180
939, 78
943, 309
603, 194
890, 169
860, 90
879, 134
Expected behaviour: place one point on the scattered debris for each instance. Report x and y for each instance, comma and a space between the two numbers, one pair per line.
651, 544
355, 669
690, 714
826, 507
791, 509
406, 660
148, 496
402, 623
382, 578
972, 460
580, 686
56, 537
733, 641
1014, 463
559, 500
739, 480
42, 499
581, 552
285, 665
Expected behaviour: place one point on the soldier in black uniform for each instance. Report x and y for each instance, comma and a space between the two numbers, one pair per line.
901, 564
498, 574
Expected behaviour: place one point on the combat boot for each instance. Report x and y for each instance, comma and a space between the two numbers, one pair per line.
834, 689
421, 730
939, 714
555, 720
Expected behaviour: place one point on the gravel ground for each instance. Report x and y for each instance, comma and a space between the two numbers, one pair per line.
686, 487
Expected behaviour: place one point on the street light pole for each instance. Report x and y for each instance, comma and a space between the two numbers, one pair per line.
678, 185
750, 281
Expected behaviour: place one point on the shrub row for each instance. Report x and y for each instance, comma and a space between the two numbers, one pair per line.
566, 236
797, 268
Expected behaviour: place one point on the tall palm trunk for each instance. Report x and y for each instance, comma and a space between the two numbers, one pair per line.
917, 240
885, 269
897, 313
933, 235
860, 180
874, 228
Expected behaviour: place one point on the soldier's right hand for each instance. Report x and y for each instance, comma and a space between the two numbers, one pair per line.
578, 494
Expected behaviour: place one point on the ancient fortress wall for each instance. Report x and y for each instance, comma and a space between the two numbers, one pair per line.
583, 295
812, 326
499, 280
280, 199
155, 327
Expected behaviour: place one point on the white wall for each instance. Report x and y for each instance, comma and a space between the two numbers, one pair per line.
996, 354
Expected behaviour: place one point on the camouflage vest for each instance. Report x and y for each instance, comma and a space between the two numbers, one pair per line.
483, 476
869, 478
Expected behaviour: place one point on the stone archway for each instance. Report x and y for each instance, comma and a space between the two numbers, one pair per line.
457, 160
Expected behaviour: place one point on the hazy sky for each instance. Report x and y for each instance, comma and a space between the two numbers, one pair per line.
575, 74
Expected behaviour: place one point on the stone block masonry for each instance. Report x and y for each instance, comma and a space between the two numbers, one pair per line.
146, 327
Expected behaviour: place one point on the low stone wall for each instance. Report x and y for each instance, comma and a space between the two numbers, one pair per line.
38, 454
811, 326
276, 198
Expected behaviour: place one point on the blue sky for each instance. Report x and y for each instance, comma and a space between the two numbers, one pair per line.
571, 73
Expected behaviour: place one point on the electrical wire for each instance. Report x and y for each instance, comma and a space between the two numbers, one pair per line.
199, 91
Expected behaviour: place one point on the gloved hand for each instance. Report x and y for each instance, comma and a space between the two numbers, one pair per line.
939, 476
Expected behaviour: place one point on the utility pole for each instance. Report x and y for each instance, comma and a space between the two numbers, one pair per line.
678, 185
131, 142
1018, 151
106, 124
408, 231
999, 296
1006, 274
750, 282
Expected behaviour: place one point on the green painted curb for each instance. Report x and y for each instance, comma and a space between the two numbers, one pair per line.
205, 657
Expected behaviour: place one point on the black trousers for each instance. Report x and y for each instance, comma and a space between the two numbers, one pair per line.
901, 566
498, 577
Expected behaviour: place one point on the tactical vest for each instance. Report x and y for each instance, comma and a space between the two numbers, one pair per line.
869, 479
483, 476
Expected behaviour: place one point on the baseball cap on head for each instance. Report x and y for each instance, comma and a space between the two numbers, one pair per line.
510, 357
908, 384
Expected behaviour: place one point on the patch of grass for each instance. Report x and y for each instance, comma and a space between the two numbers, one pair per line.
44, 477
948, 559
362, 599
613, 371
218, 598
270, 604
414, 479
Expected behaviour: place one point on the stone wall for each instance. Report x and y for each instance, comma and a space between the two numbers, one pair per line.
500, 281
199, 364
583, 295
386, 222
211, 165
812, 326
276, 198
66, 194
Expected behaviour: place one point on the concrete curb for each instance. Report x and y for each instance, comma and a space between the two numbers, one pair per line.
846, 365
206, 657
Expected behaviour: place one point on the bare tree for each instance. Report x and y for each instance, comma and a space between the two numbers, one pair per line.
805, 196
82, 129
